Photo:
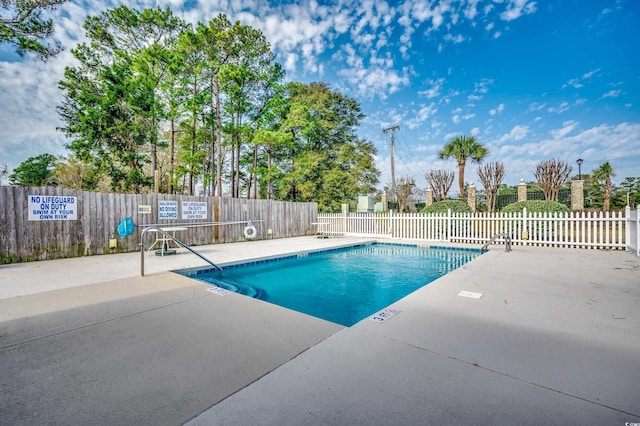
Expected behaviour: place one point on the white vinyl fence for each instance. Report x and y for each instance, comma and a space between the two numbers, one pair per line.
596, 230
633, 230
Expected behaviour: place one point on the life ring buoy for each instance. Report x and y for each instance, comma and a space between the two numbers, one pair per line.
250, 232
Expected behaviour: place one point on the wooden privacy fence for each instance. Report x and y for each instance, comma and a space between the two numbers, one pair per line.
39, 223
601, 230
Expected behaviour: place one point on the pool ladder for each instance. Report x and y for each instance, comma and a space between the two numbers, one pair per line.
177, 241
507, 241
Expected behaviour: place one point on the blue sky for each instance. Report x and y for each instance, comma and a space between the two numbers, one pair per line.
531, 80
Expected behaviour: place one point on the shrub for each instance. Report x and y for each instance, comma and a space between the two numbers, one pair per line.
456, 206
536, 206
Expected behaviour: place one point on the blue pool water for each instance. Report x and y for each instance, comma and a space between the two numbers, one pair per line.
340, 285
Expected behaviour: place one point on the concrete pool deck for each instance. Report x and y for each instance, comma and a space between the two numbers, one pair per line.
555, 338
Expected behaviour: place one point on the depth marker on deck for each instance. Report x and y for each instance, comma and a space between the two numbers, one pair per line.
219, 291
384, 315
470, 294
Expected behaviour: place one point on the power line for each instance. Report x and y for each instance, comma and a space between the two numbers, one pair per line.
410, 153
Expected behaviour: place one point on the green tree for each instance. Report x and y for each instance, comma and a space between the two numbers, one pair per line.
34, 171
325, 162
631, 188
249, 79
72, 173
22, 25
214, 39
99, 115
603, 175
111, 107
463, 148
193, 81
271, 141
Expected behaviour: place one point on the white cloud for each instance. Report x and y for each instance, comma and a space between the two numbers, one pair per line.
290, 61
516, 134
483, 85
496, 110
595, 145
578, 81
471, 10
535, 106
612, 94
455, 39
375, 81
562, 107
519, 132
590, 74
567, 127
574, 82
517, 8
421, 116
488, 8
371, 16
434, 90
457, 117
451, 135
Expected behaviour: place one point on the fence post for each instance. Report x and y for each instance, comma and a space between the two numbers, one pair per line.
345, 214
522, 190
627, 228
637, 226
577, 195
525, 232
471, 197
449, 225
632, 226
429, 196
390, 230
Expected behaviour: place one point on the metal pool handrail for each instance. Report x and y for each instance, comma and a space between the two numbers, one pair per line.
507, 241
166, 234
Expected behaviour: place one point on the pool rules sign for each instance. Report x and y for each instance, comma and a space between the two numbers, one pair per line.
53, 207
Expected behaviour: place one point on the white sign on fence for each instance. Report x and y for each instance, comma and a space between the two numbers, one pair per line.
194, 209
53, 207
167, 209
144, 208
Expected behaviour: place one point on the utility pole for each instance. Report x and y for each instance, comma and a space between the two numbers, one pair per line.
393, 166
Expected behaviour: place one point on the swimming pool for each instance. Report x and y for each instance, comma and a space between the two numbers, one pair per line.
343, 285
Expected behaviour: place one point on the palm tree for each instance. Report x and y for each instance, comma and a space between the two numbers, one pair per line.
604, 173
461, 148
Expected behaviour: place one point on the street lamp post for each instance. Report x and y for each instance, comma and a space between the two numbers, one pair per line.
579, 161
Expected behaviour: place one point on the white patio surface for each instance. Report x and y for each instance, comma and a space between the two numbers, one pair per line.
553, 339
